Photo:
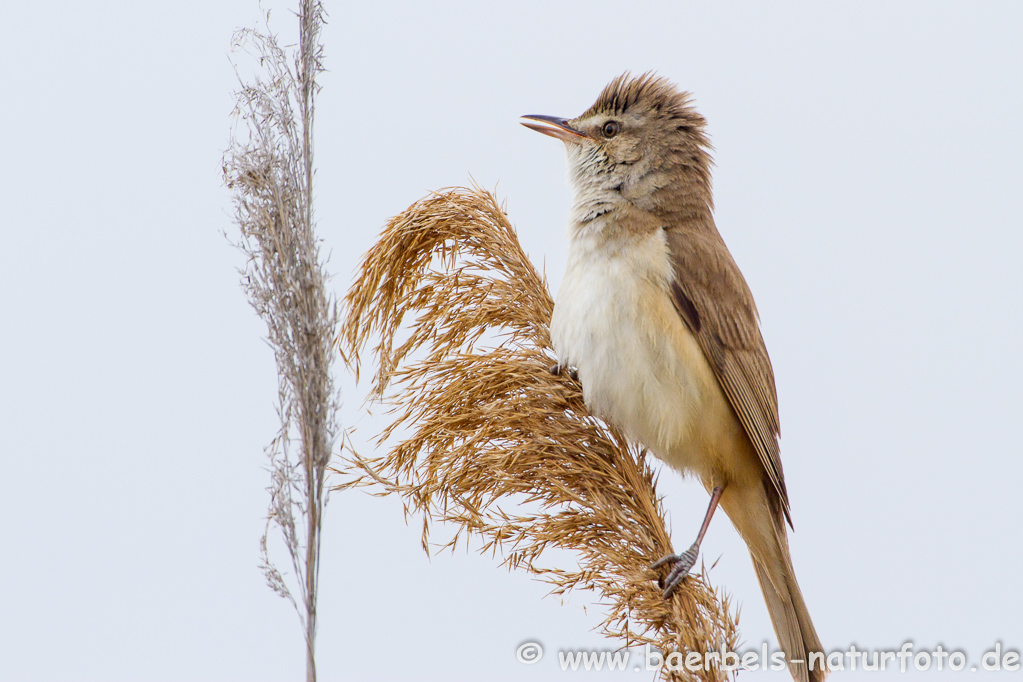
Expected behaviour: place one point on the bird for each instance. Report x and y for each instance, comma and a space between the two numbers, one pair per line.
655, 320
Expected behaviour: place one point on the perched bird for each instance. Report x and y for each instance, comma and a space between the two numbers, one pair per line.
657, 322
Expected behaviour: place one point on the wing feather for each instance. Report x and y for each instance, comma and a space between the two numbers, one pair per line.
715, 303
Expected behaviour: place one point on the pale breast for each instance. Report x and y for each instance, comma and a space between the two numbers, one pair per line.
641, 369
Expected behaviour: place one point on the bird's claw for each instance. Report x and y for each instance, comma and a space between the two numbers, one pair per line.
682, 564
557, 369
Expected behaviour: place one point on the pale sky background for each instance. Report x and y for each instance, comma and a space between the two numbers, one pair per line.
869, 183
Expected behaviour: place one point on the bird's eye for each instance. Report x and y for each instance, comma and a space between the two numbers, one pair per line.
611, 128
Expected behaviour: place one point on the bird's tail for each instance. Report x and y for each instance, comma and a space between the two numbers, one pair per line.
766, 537
791, 620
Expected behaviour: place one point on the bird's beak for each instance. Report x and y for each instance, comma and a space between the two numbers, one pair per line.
553, 126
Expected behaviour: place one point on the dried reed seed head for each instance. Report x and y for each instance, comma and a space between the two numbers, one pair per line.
486, 428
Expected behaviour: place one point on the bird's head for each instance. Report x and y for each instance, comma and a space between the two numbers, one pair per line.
641, 142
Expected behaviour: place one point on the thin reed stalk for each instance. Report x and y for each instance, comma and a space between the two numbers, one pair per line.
270, 173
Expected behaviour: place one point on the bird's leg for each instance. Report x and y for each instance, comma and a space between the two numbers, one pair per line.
684, 561
557, 369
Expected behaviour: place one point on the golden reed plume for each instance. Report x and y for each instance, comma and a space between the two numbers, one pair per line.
460, 320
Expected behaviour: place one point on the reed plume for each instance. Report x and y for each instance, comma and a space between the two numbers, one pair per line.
484, 437
269, 169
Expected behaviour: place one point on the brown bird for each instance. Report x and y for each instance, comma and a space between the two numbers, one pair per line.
660, 326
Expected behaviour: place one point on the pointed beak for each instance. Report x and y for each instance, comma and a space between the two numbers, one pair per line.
553, 126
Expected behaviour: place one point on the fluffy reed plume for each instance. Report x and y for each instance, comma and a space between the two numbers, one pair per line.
496, 444
270, 173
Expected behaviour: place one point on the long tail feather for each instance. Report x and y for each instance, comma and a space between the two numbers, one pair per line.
762, 526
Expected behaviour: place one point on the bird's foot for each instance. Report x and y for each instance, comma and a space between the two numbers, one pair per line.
682, 564
557, 369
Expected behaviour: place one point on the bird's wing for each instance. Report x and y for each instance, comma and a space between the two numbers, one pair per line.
715, 303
